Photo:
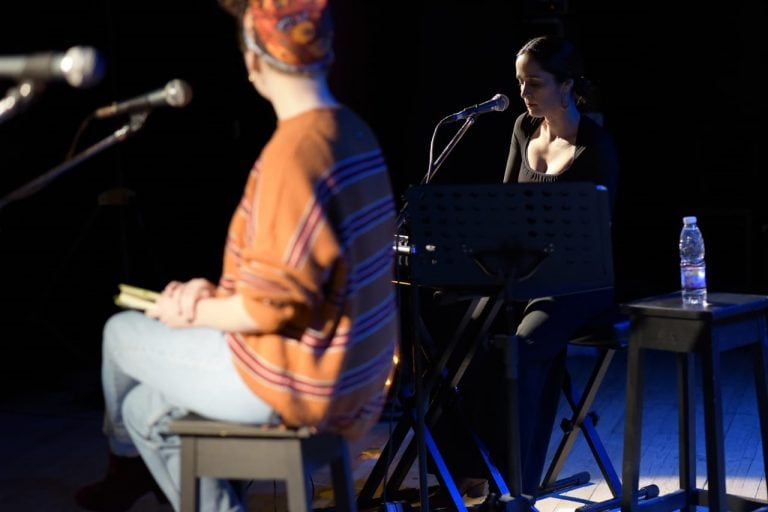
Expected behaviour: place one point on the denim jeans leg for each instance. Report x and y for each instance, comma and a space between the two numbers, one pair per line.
147, 415
151, 373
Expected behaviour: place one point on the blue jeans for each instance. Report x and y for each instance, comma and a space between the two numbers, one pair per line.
152, 374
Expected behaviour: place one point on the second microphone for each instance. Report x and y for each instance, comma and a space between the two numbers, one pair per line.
176, 93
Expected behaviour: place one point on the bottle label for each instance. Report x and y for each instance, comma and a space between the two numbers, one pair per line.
693, 277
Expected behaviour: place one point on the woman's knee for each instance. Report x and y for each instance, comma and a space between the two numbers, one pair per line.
120, 328
117, 324
143, 409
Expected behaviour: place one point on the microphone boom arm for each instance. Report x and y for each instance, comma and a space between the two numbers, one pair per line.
37, 184
433, 167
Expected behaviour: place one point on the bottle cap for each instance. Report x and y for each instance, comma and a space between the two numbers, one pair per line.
691, 219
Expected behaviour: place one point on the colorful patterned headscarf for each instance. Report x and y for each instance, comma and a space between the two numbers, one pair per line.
293, 35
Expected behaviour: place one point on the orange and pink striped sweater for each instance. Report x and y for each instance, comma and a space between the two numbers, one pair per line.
310, 250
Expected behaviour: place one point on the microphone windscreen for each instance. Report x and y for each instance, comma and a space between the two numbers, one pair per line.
82, 66
503, 102
178, 93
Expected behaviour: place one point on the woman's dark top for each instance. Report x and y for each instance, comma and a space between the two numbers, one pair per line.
595, 160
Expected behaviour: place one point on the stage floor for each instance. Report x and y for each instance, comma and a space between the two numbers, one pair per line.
51, 443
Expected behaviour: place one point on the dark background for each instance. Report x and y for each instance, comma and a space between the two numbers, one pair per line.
681, 92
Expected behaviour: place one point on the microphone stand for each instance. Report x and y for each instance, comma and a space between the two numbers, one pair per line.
468, 122
433, 166
419, 391
134, 124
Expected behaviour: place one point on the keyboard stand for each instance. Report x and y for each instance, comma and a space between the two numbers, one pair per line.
505, 243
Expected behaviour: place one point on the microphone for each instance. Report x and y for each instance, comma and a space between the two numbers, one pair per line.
176, 93
499, 103
80, 66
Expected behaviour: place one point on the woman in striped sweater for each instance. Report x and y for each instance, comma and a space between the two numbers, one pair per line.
302, 326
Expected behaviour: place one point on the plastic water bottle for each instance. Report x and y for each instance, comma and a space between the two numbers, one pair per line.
693, 270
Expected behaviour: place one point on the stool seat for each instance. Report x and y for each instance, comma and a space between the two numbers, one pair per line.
606, 335
254, 452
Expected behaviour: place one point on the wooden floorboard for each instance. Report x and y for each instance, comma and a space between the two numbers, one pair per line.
745, 475
51, 445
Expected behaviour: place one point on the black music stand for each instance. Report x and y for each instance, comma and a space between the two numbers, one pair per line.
512, 242
549, 238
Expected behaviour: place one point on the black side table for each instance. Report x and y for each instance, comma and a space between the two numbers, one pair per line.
727, 321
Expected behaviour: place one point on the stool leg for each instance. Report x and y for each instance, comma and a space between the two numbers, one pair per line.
713, 427
761, 386
190, 485
686, 423
343, 484
632, 428
297, 480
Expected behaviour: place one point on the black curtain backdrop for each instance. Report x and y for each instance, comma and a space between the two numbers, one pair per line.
680, 92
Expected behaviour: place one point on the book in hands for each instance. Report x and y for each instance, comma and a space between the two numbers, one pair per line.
133, 297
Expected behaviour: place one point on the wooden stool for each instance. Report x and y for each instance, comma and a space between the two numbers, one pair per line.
247, 452
728, 321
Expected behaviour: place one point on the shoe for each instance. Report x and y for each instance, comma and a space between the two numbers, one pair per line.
473, 487
127, 480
